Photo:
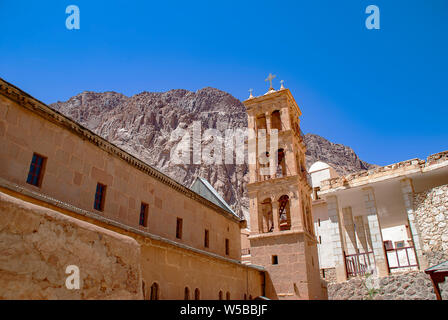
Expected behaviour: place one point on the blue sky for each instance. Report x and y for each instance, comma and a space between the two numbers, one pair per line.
381, 92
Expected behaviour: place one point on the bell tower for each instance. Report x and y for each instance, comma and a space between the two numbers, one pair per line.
282, 238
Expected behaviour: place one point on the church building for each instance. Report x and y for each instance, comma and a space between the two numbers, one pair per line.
70, 200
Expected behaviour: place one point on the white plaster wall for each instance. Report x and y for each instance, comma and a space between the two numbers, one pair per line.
325, 249
397, 233
324, 174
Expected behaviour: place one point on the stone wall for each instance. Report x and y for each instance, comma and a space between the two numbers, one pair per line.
404, 286
76, 161
431, 212
37, 244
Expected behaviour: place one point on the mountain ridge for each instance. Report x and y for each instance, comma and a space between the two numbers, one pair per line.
143, 125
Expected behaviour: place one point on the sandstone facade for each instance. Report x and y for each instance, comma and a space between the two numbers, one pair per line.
75, 161
37, 244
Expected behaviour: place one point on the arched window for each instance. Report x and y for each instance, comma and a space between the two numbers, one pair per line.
197, 294
284, 213
220, 295
154, 291
281, 165
261, 122
228, 295
250, 297
245, 297
187, 294
268, 220
263, 161
276, 122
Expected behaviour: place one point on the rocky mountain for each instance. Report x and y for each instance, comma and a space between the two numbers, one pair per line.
342, 158
152, 126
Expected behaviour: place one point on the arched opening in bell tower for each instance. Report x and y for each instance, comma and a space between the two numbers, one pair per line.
264, 160
284, 215
266, 211
281, 167
276, 122
261, 122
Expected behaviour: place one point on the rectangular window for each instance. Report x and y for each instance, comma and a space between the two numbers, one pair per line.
399, 244
36, 170
388, 245
206, 243
318, 222
227, 247
143, 221
320, 240
100, 195
274, 259
179, 228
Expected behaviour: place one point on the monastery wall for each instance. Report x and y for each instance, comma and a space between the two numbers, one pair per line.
175, 269
431, 213
76, 160
171, 265
37, 244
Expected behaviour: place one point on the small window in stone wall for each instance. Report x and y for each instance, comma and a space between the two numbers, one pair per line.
154, 291
179, 228
197, 294
36, 171
227, 247
274, 259
143, 220
100, 196
206, 238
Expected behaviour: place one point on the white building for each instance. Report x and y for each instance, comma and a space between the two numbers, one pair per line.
366, 219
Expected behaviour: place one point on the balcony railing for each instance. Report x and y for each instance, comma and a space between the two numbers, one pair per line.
358, 264
398, 258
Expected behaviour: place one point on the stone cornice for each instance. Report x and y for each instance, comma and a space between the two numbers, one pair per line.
27, 101
399, 169
249, 103
277, 234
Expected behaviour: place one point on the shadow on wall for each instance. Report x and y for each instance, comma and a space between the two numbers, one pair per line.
270, 291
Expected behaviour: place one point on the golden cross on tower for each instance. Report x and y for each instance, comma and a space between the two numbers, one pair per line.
269, 78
